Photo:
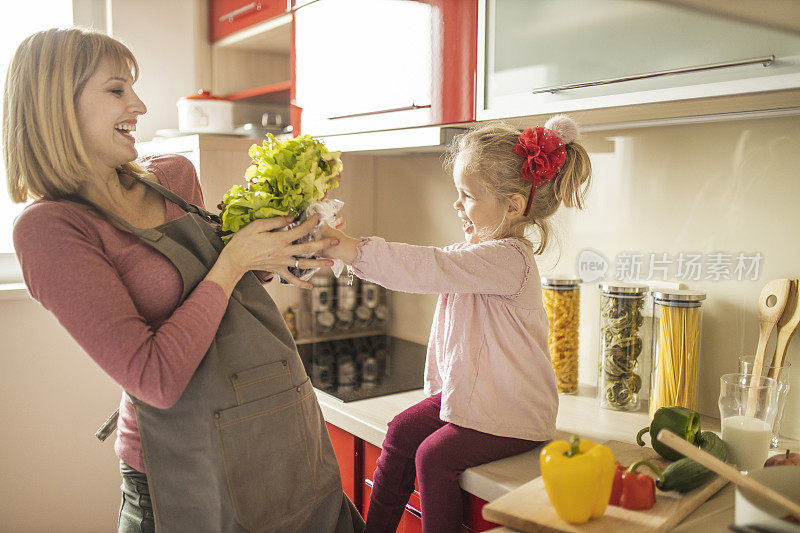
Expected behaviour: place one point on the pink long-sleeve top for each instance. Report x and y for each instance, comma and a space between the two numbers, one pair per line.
119, 298
487, 352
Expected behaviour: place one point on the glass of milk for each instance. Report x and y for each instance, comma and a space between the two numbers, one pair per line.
747, 408
746, 367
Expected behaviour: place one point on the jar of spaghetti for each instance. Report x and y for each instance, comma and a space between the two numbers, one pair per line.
622, 347
562, 303
676, 349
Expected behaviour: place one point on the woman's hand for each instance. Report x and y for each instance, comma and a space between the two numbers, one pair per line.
257, 247
347, 248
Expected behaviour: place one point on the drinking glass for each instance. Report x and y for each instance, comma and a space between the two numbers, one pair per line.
746, 367
747, 408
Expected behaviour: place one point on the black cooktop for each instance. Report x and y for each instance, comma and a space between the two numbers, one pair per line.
366, 367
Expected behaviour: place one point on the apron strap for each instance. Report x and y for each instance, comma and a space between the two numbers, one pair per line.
180, 202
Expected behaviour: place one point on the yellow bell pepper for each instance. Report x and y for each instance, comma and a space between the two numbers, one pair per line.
577, 476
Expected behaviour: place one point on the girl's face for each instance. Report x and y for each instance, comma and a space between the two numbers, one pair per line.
106, 109
480, 212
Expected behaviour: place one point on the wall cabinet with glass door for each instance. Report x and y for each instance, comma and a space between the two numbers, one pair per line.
546, 56
364, 65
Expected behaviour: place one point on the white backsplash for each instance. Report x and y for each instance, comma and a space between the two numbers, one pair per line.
726, 187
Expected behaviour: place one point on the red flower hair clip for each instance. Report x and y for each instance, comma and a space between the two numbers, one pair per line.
544, 155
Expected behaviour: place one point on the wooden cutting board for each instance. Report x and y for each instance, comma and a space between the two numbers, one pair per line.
528, 508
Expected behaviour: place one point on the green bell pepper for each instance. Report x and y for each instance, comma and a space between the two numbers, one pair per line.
682, 421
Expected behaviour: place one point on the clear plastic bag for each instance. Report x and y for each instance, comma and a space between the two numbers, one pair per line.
328, 210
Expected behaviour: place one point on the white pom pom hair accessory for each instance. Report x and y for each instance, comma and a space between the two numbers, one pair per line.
563, 126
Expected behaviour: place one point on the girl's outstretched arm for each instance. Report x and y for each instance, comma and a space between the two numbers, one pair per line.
494, 267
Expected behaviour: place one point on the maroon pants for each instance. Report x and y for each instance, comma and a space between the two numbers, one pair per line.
419, 443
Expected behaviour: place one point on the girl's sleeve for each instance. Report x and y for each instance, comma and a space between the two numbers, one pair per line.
67, 271
495, 267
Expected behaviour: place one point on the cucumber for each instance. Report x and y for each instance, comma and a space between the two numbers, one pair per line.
684, 474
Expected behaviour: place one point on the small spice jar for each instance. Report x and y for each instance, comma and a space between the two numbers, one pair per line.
622, 347
562, 303
676, 348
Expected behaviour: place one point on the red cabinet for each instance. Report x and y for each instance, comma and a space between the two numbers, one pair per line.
229, 16
348, 449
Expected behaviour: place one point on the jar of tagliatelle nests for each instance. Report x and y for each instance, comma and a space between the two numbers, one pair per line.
562, 303
622, 348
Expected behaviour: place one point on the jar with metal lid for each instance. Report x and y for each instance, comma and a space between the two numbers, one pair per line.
622, 347
561, 298
676, 348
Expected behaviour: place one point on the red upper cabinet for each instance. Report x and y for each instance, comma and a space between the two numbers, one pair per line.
364, 65
228, 16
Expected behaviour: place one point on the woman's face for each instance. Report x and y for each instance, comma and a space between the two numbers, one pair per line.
480, 212
107, 109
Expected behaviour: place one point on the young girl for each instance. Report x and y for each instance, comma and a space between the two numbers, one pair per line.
488, 371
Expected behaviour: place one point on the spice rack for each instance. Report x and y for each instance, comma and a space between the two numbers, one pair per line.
338, 309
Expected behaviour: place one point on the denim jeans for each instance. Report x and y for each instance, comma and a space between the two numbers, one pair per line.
136, 511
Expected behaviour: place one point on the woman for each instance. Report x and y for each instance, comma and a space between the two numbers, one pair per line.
219, 428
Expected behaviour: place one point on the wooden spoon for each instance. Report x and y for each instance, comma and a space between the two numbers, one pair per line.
787, 323
768, 316
727, 471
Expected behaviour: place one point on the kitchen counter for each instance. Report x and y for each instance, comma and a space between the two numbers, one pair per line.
579, 413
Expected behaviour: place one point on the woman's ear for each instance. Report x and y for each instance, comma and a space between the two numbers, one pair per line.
516, 206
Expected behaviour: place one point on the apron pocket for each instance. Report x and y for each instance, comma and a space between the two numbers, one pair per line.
266, 454
261, 381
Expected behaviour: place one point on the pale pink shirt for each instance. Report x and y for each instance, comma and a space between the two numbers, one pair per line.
487, 352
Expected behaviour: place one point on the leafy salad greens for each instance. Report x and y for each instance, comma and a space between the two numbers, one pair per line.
287, 175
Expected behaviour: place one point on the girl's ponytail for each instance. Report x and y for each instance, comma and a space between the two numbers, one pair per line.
571, 184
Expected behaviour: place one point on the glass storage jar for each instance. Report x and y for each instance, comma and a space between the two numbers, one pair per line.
561, 298
676, 348
622, 348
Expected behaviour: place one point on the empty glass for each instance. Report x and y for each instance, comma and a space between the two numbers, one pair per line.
747, 408
746, 367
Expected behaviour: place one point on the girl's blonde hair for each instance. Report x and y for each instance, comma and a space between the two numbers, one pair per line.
487, 152
44, 154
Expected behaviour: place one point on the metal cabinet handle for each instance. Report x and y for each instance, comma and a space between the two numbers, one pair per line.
252, 6
765, 60
406, 108
412, 510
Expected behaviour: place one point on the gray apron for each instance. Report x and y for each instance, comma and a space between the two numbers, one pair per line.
245, 448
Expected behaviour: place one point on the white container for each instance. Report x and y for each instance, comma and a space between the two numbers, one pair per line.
205, 113
752, 510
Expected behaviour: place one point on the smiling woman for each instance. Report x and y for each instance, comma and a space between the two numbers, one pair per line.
175, 316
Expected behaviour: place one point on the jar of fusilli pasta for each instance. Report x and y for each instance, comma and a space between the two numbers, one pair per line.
562, 302
622, 346
676, 348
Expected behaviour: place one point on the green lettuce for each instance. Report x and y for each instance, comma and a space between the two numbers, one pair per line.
286, 176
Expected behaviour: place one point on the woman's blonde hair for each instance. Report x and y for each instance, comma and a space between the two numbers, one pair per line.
487, 152
44, 154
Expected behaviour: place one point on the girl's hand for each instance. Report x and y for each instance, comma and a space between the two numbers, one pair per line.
257, 247
346, 250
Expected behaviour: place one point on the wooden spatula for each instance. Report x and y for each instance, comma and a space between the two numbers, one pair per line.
787, 323
775, 292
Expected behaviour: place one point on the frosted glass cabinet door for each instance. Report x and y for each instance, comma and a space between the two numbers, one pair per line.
529, 45
362, 61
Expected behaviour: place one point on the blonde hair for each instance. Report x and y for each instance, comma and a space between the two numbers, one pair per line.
44, 154
487, 152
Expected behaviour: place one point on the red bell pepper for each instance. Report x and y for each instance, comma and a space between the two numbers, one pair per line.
632, 490
616, 487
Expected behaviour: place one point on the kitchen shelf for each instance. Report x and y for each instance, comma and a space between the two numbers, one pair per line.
340, 336
274, 93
